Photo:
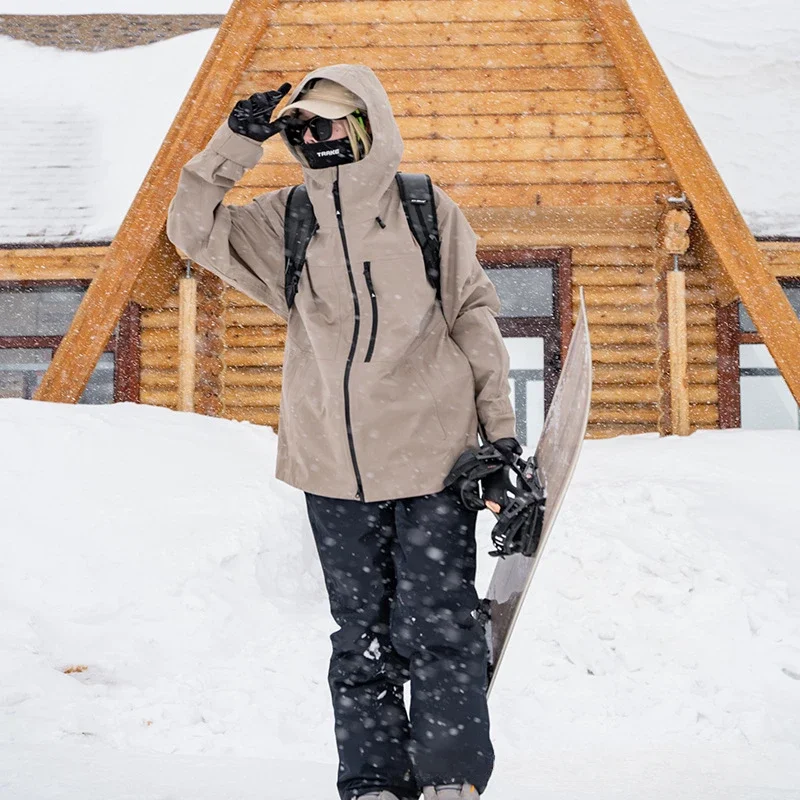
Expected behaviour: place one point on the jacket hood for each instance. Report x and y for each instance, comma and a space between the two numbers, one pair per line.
368, 179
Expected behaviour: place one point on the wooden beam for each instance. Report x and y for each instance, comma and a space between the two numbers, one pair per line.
419, 34
519, 194
783, 258
727, 231
712, 265
678, 353
187, 342
476, 77
141, 236
438, 56
345, 12
51, 263
159, 276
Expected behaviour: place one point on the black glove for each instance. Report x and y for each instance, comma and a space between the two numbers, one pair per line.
251, 117
494, 485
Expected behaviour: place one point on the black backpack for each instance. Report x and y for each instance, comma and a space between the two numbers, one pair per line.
416, 194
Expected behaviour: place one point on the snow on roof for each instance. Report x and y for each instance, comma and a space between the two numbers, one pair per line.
114, 6
735, 65
85, 127
84, 130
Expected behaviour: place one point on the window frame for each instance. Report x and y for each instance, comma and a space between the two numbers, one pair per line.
556, 330
729, 337
125, 344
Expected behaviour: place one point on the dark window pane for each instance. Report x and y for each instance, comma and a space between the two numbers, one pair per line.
43, 311
21, 371
793, 293
746, 324
100, 388
524, 291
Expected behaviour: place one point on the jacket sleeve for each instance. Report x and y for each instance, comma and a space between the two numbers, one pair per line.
470, 305
243, 245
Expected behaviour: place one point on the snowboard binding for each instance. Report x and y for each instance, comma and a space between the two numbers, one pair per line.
519, 522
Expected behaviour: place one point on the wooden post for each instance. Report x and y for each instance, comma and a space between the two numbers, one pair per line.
678, 352
187, 341
673, 241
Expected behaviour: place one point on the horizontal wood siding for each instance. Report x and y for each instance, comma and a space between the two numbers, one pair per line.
782, 258
701, 323
50, 263
254, 339
619, 283
507, 105
158, 381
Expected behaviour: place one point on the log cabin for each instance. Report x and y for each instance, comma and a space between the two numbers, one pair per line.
553, 125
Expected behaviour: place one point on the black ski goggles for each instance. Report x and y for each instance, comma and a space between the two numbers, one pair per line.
321, 129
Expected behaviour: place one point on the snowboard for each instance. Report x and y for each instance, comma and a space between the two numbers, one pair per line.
557, 455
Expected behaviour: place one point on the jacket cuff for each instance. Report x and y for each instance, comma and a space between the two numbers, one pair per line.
235, 147
501, 429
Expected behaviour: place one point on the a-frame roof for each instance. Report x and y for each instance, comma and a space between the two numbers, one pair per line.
141, 241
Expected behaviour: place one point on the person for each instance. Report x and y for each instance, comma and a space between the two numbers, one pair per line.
384, 386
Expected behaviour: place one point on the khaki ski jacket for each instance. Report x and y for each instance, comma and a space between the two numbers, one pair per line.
383, 385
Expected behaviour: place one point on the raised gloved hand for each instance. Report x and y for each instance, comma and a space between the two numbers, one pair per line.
494, 485
251, 117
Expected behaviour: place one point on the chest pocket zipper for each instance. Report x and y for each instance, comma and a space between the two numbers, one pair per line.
368, 277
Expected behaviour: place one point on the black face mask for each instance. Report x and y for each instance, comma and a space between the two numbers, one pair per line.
328, 154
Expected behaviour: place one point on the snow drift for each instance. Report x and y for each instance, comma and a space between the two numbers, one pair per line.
164, 622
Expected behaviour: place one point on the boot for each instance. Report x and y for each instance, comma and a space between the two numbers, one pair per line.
451, 791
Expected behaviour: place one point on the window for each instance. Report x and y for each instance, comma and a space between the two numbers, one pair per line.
34, 316
752, 392
535, 293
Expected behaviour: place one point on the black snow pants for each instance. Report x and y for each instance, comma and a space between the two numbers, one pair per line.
400, 577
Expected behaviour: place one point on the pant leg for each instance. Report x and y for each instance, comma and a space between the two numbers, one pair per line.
366, 675
434, 626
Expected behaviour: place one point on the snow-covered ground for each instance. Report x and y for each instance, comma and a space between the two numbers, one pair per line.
658, 654
735, 64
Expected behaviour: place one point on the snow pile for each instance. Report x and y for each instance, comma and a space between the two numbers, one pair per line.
163, 621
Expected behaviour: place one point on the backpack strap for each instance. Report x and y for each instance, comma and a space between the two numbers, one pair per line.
416, 194
300, 224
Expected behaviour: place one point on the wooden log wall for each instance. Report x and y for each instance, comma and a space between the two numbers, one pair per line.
158, 384
241, 344
254, 338
701, 316
510, 105
517, 111
782, 258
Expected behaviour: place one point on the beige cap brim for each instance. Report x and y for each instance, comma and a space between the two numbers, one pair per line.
321, 108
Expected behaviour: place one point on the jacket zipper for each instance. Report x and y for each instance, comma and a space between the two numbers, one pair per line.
357, 319
374, 333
